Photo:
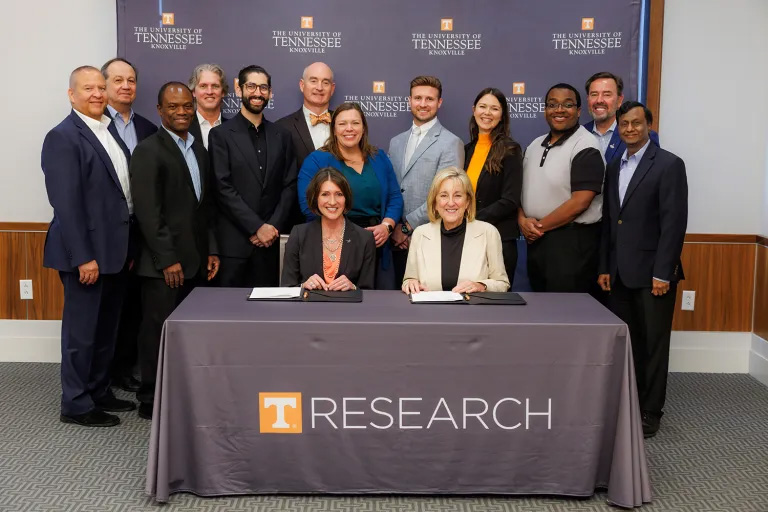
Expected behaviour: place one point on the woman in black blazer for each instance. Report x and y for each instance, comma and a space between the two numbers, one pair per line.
495, 168
330, 252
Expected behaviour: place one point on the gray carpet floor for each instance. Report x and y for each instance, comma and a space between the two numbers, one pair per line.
711, 455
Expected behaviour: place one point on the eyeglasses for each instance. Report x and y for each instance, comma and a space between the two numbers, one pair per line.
251, 87
554, 106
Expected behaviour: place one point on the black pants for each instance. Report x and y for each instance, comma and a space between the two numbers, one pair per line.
88, 333
158, 302
650, 326
400, 261
126, 348
509, 252
261, 268
565, 260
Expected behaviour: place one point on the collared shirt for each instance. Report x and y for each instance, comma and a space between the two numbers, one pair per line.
259, 140
414, 139
185, 146
627, 169
205, 126
320, 132
115, 152
604, 138
127, 131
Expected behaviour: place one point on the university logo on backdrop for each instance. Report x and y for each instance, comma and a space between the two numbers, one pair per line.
588, 41
446, 42
378, 103
522, 106
304, 39
168, 36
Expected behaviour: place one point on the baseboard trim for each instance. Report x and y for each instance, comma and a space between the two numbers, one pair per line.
37, 341
758, 359
710, 352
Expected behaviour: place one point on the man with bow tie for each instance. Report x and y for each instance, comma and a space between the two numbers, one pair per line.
310, 126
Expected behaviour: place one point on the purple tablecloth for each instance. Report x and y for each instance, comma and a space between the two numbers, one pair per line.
388, 397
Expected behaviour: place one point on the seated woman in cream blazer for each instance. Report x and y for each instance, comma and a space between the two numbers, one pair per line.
454, 251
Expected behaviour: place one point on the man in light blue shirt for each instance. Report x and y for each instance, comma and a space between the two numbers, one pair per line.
645, 214
121, 78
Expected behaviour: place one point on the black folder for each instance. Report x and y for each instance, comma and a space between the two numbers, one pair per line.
319, 296
485, 298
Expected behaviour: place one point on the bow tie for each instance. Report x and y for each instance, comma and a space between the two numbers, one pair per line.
325, 117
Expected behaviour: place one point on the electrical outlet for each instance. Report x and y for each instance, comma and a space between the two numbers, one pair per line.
689, 300
25, 289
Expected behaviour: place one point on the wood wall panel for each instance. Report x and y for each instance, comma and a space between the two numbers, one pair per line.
12, 269
761, 293
722, 275
655, 40
46, 286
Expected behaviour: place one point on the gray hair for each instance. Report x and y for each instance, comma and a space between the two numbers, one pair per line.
213, 68
106, 65
77, 71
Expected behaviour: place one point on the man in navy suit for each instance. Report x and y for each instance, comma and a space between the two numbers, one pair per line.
131, 128
605, 92
645, 214
86, 177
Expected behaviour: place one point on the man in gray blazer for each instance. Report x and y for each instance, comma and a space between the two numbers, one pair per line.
417, 154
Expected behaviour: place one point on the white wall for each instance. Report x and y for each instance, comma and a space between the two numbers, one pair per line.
42, 42
714, 109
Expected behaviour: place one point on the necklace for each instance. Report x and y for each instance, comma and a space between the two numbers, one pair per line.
332, 244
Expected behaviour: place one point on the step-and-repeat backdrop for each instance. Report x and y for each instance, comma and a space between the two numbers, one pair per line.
376, 47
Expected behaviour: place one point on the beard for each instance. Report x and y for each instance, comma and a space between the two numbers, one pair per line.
252, 108
602, 117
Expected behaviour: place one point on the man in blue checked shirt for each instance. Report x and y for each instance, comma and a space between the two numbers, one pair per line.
174, 207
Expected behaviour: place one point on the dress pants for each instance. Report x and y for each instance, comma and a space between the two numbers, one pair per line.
158, 302
649, 319
399, 262
509, 252
88, 333
126, 349
565, 260
261, 268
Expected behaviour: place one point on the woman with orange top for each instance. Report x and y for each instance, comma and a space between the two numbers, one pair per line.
330, 252
495, 169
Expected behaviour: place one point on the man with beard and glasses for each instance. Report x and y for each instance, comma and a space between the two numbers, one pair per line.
255, 169
417, 154
605, 92
209, 86
175, 212
561, 201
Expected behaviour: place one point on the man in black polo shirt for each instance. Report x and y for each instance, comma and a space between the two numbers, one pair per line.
561, 202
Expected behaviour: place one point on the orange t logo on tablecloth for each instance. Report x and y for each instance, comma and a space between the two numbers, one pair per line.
280, 413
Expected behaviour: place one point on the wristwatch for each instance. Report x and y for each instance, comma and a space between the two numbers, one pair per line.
405, 230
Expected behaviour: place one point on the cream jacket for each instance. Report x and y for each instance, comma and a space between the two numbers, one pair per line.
481, 258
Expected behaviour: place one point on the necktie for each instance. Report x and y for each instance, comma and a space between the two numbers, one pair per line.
325, 117
413, 141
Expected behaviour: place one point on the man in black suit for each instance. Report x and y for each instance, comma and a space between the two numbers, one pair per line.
131, 128
86, 177
255, 171
645, 214
209, 86
310, 126
174, 208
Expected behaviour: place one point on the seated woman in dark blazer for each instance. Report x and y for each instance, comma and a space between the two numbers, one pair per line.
330, 252
495, 168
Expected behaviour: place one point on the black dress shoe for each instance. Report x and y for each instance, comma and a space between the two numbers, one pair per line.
114, 404
145, 410
127, 383
94, 418
651, 423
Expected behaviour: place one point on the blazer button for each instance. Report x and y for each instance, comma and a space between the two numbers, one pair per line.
619, 221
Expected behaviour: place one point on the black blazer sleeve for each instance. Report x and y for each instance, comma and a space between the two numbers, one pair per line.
291, 275
288, 195
368, 265
673, 208
605, 236
508, 202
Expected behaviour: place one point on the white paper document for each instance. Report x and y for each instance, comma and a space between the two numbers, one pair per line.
437, 297
276, 293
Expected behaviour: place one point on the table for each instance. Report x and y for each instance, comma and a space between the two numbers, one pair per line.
389, 397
